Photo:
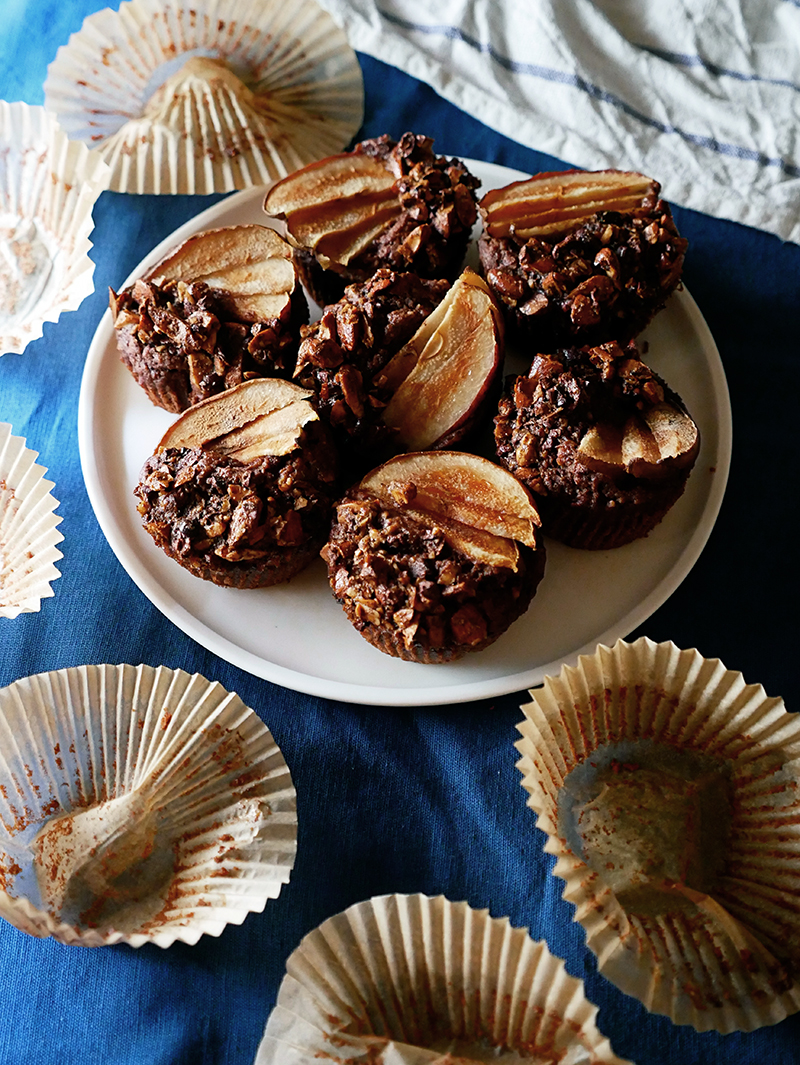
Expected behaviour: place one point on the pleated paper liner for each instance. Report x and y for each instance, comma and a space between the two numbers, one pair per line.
412, 980
202, 96
48, 187
669, 792
137, 805
28, 528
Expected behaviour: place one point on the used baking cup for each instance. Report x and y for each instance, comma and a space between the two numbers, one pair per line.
202, 96
137, 805
412, 980
28, 528
670, 793
48, 187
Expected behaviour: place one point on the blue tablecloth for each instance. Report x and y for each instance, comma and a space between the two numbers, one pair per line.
390, 800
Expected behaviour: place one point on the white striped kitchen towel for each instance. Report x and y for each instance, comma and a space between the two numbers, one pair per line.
703, 95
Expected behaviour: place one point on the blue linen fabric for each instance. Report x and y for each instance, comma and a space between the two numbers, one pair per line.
390, 800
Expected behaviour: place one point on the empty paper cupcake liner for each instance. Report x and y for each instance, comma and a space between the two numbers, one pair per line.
670, 793
48, 187
137, 805
208, 96
412, 980
28, 528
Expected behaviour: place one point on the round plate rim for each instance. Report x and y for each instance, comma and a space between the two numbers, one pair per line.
375, 694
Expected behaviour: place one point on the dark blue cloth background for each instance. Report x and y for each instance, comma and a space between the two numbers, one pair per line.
390, 800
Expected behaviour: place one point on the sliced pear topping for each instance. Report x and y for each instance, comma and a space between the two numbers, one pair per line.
250, 265
649, 446
675, 433
548, 204
341, 245
216, 251
401, 365
261, 417
601, 448
444, 372
337, 177
258, 308
311, 224
477, 544
639, 449
277, 432
456, 487
336, 207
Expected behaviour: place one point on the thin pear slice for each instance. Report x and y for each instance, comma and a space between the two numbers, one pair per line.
400, 366
639, 449
277, 432
311, 224
251, 265
477, 544
336, 207
601, 448
336, 178
340, 246
258, 308
675, 434
458, 487
265, 416
448, 366
253, 279
648, 446
551, 203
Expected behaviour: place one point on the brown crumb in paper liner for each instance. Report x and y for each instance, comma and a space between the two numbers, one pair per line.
137, 805
412, 980
668, 789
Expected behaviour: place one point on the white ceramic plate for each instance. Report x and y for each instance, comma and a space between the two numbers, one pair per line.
297, 635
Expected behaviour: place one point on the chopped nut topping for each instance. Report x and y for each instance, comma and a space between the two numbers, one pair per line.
210, 511
604, 279
398, 576
182, 345
595, 426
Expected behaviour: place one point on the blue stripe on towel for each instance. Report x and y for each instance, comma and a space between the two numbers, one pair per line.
736, 151
681, 60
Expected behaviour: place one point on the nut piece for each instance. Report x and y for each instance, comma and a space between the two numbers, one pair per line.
464, 494
265, 416
553, 202
441, 377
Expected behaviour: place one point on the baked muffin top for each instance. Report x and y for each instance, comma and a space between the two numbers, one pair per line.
587, 422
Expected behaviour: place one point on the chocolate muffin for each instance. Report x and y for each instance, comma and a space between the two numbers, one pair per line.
580, 258
241, 487
343, 353
386, 204
426, 587
241, 524
604, 445
222, 308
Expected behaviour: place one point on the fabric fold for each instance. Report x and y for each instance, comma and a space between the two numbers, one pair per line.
705, 98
